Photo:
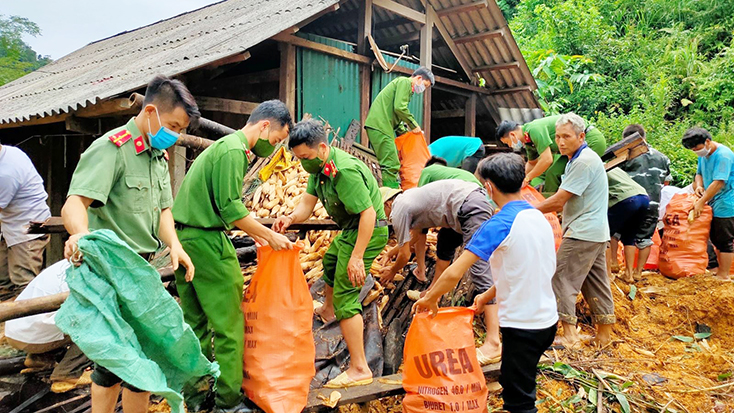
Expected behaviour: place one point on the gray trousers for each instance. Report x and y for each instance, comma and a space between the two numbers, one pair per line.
20, 263
581, 266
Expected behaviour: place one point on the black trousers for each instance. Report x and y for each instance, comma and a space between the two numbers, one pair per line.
470, 163
521, 352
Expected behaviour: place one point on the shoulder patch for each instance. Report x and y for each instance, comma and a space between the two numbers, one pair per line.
330, 169
139, 144
120, 137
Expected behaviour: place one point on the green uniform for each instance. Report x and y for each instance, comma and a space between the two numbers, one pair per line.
129, 184
389, 109
438, 172
540, 134
622, 186
209, 201
346, 188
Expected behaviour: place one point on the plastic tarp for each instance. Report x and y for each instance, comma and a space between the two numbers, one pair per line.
122, 318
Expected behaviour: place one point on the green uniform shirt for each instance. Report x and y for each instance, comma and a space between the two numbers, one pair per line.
542, 134
438, 172
622, 186
346, 188
211, 193
391, 107
130, 187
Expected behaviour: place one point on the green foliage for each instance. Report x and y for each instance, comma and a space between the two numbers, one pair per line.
16, 57
667, 64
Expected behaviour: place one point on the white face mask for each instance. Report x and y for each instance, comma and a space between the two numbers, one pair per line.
419, 88
702, 153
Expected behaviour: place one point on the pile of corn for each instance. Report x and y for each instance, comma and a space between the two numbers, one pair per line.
279, 196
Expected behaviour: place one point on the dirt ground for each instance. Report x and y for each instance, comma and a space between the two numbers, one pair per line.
657, 359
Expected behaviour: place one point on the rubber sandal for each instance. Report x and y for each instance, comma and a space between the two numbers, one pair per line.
343, 381
484, 360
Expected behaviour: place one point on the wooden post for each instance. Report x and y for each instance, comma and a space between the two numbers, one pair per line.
470, 116
426, 60
288, 76
365, 71
176, 167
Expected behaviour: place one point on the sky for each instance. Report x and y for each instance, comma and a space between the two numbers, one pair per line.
68, 25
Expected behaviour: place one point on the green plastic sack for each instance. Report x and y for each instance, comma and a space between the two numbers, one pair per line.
122, 318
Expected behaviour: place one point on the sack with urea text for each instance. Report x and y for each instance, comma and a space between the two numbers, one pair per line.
533, 197
683, 251
279, 349
442, 372
413, 153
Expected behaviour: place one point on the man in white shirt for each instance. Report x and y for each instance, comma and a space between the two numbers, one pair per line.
22, 200
518, 244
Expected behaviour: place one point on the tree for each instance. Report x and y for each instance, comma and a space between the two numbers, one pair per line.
16, 57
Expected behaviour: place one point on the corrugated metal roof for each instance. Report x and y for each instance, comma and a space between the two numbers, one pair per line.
127, 61
515, 84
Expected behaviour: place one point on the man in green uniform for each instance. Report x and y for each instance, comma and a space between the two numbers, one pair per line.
538, 137
122, 184
208, 204
436, 169
350, 194
389, 109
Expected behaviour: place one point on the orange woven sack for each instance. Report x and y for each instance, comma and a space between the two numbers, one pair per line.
534, 197
279, 347
413, 153
652, 260
683, 251
441, 371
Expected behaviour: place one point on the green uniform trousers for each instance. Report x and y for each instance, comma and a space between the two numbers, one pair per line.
387, 156
212, 301
336, 261
597, 143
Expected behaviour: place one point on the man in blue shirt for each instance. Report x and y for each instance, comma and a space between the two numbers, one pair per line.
714, 184
459, 151
518, 244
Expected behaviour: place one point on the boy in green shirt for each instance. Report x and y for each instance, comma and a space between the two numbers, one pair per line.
389, 109
350, 194
208, 204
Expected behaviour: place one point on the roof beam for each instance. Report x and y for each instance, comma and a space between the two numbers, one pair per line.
318, 15
499, 66
225, 105
512, 90
480, 36
401, 10
334, 51
460, 57
448, 113
464, 8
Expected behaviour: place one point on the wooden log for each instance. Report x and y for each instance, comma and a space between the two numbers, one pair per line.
193, 142
225, 105
11, 365
385, 386
401, 10
216, 128
19, 309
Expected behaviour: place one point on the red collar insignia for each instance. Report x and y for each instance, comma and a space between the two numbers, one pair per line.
120, 137
139, 145
527, 138
330, 169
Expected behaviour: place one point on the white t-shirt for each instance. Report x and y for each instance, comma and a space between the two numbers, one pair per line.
40, 328
518, 243
22, 196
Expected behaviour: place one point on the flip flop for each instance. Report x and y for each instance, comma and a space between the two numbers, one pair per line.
63, 386
343, 381
484, 360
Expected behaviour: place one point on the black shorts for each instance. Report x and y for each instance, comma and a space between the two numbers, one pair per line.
105, 378
447, 242
722, 234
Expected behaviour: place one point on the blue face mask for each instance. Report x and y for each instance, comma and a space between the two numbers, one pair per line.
164, 138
